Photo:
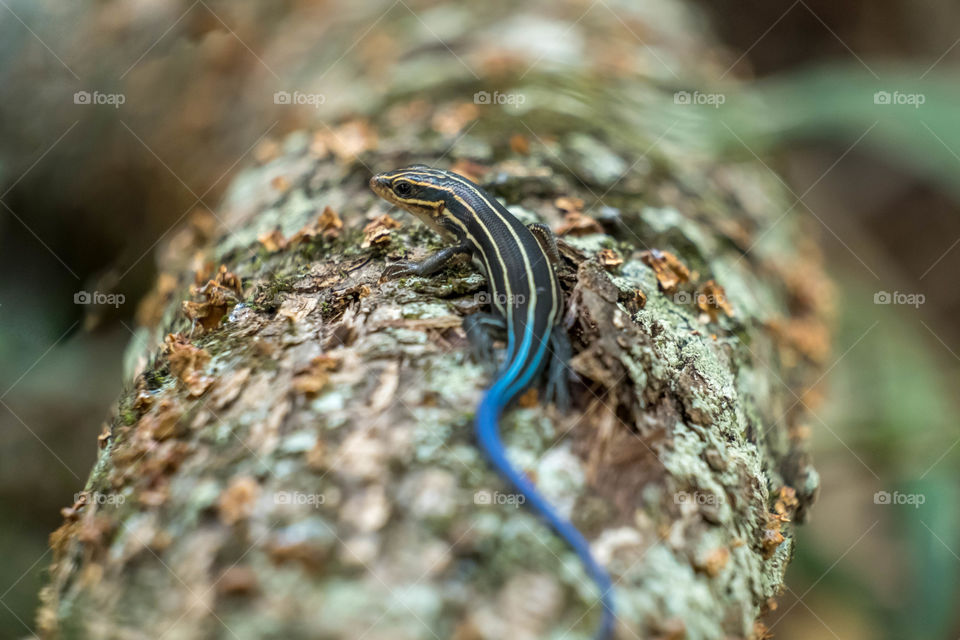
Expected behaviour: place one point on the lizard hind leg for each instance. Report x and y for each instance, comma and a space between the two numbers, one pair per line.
547, 240
482, 329
557, 388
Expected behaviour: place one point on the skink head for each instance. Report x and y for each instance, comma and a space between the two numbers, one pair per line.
422, 191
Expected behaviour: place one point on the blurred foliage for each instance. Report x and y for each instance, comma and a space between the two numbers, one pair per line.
828, 102
893, 399
892, 405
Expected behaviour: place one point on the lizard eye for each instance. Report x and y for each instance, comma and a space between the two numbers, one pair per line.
403, 189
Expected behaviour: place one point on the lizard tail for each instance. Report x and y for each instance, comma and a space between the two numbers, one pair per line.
488, 433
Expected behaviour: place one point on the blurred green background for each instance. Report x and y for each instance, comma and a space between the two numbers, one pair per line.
855, 106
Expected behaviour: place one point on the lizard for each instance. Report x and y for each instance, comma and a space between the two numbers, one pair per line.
519, 263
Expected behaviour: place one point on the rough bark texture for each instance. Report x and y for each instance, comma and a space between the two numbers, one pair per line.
294, 457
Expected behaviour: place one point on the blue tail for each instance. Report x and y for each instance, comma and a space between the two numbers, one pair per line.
488, 433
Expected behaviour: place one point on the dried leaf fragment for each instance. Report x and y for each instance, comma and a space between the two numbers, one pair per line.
568, 204
771, 537
238, 499
609, 258
578, 224
296, 307
266, 151
237, 581
316, 376
272, 240
528, 399
670, 271
162, 422
317, 456
73, 512
786, 503
633, 300
378, 230
806, 337
144, 399
712, 299
229, 387
188, 363
450, 120
104, 438
350, 139
92, 529
329, 223
301, 552
715, 561
761, 632
520, 143
218, 294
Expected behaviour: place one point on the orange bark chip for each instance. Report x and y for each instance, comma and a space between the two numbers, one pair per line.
609, 258
668, 268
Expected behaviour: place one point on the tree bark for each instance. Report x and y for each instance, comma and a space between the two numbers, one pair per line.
294, 457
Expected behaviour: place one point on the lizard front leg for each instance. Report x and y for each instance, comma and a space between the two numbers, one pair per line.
429, 265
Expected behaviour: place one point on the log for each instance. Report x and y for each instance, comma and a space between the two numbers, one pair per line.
293, 456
